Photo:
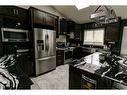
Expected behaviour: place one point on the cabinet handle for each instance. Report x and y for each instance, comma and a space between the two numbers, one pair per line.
17, 12
14, 11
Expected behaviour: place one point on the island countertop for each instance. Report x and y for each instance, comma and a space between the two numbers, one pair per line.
92, 64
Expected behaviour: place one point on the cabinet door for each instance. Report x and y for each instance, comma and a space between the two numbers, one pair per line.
112, 32
74, 78
7, 10
20, 13
50, 20
56, 26
15, 23
26, 64
59, 57
77, 31
38, 17
70, 26
63, 26
13, 11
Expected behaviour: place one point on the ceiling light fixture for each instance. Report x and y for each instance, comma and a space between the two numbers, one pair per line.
104, 15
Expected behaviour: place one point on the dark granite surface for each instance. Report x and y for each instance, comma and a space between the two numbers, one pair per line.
113, 68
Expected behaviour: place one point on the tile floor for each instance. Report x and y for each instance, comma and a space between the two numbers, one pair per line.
56, 79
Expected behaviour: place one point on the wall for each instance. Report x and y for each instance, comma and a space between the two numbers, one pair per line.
123, 23
124, 42
49, 9
62, 38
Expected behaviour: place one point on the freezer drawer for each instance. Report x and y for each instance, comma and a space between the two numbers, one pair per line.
45, 64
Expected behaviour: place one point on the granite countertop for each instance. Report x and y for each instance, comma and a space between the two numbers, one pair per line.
65, 48
92, 64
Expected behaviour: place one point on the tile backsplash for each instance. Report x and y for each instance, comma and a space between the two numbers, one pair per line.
62, 38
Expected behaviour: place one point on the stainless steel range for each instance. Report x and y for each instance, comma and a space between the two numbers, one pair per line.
45, 50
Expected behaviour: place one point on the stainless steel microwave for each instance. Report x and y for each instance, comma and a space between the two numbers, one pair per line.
14, 35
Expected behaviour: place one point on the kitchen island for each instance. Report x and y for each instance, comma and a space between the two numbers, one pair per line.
92, 73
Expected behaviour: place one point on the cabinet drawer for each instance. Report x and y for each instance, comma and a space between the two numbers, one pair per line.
59, 51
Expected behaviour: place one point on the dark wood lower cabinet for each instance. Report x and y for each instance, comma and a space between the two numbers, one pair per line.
26, 64
74, 78
59, 57
80, 79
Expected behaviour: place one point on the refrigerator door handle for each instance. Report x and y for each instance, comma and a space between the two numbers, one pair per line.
46, 42
40, 59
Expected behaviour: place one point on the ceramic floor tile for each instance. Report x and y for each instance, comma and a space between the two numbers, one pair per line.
35, 85
56, 79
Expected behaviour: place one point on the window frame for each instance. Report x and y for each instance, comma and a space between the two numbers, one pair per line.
93, 43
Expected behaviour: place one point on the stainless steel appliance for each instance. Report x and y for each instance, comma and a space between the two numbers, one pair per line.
45, 50
88, 83
14, 35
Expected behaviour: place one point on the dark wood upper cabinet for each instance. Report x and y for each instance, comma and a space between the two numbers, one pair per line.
50, 20
14, 17
112, 32
38, 17
13, 11
63, 26
78, 32
43, 18
71, 26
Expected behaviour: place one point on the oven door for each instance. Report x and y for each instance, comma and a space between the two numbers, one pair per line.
88, 83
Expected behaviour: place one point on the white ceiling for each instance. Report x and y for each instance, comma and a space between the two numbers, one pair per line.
82, 16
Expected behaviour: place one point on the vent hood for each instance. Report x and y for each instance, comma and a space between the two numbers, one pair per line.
104, 15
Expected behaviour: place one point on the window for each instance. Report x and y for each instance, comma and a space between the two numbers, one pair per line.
94, 37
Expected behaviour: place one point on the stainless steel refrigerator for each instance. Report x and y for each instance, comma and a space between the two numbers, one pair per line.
45, 50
